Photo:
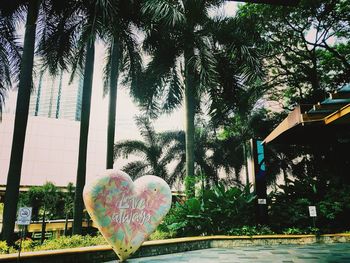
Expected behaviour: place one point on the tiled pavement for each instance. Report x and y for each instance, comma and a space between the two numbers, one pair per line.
318, 253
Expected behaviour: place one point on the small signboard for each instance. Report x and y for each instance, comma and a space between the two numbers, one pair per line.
24, 216
312, 211
262, 201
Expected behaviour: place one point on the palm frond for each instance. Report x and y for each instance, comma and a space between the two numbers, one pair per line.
244, 44
169, 13
107, 68
149, 92
168, 137
9, 56
128, 147
173, 92
59, 39
132, 61
206, 64
136, 169
146, 130
178, 172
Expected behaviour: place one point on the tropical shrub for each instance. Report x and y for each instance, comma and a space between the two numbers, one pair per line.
299, 231
27, 245
289, 209
250, 231
71, 242
56, 243
160, 235
4, 248
216, 211
334, 209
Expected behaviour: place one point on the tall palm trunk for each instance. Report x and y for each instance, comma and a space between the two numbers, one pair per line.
83, 139
285, 176
43, 226
245, 157
65, 233
189, 129
20, 127
113, 87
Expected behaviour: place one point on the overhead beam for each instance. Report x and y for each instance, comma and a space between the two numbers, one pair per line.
339, 95
293, 119
337, 115
329, 106
307, 117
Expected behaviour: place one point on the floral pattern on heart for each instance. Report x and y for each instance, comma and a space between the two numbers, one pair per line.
127, 212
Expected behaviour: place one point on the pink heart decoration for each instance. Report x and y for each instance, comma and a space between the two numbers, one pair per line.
127, 212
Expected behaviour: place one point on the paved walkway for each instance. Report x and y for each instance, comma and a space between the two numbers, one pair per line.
316, 253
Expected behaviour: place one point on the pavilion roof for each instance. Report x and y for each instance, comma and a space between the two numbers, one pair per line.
326, 121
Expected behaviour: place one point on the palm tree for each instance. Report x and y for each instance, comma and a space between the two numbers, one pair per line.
152, 151
177, 35
157, 150
211, 155
112, 22
15, 11
9, 54
239, 51
21, 118
122, 57
68, 205
50, 197
69, 42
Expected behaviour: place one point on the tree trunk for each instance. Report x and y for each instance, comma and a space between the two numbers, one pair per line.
189, 128
245, 157
66, 224
285, 177
113, 87
43, 226
20, 127
83, 139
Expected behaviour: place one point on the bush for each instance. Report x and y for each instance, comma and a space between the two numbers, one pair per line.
160, 235
4, 248
250, 231
71, 242
215, 212
27, 245
299, 231
289, 210
51, 244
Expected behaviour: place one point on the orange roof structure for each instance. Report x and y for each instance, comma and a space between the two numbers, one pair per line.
325, 121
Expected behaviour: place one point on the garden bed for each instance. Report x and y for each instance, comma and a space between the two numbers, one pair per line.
159, 247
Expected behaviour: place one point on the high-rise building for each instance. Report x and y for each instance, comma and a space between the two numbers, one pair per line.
56, 97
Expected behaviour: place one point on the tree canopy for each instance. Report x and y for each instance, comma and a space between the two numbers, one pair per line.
309, 48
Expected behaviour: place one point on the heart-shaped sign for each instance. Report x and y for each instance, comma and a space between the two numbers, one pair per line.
127, 212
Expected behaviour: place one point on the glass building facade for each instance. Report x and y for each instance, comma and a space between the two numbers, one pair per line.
56, 97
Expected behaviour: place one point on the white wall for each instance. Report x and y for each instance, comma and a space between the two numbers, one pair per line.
51, 150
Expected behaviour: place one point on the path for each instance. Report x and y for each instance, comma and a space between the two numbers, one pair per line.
316, 253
